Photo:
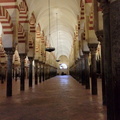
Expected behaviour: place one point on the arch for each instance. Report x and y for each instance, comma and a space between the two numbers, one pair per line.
31, 36
5, 20
66, 21
38, 28
38, 42
7, 25
32, 20
23, 12
21, 34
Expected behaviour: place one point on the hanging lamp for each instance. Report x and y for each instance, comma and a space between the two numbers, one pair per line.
57, 35
49, 49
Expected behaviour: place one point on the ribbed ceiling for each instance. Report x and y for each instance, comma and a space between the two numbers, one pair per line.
63, 19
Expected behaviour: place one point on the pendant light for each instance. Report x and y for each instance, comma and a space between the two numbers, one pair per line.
57, 34
49, 49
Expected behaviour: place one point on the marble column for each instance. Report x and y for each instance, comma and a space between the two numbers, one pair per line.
78, 71
83, 70
80, 74
87, 81
39, 72
108, 60
115, 54
43, 72
93, 48
22, 76
48, 71
13, 75
36, 72
103, 62
30, 71
45, 67
9, 52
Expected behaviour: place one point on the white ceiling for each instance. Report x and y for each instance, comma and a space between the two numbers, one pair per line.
62, 24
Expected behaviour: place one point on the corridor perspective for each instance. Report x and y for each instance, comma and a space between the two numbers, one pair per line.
58, 98
59, 60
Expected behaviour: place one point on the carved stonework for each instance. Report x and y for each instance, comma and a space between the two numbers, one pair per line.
99, 35
93, 47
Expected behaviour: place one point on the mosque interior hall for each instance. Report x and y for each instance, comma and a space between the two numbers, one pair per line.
59, 60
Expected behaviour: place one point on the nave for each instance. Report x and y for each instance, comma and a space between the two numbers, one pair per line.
57, 98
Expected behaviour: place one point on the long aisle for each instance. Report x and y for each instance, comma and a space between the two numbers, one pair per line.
59, 98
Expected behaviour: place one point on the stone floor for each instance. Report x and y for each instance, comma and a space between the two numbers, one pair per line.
59, 98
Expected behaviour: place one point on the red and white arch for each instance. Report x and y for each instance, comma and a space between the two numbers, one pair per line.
37, 42
5, 20
31, 40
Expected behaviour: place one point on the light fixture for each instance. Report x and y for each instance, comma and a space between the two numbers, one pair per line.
57, 34
49, 49
57, 60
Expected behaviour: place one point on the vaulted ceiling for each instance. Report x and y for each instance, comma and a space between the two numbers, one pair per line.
57, 19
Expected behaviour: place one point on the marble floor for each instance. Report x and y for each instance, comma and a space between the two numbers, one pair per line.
58, 98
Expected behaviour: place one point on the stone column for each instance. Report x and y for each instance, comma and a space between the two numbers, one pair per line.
48, 71
108, 60
36, 72
39, 72
22, 76
30, 71
79, 76
101, 39
9, 52
115, 55
78, 70
87, 81
93, 48
13, 75
43, 72
45, 67
82, 70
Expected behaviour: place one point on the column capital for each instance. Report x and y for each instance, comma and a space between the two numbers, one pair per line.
36, 61
86, 52
104, 5
99, 35
9, 51
93, 47
22, 56
30, 58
